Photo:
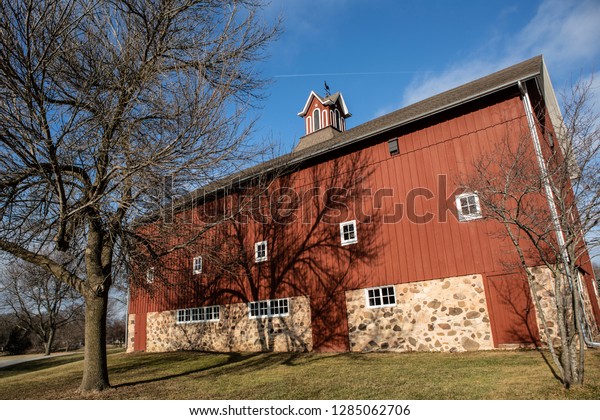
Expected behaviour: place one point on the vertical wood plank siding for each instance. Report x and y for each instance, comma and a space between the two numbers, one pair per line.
441, 148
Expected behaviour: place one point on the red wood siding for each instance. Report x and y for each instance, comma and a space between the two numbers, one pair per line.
305, 255
511, 310
139, 332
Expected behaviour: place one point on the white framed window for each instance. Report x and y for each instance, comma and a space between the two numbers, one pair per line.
378, 297
204, 314
337, 120
260, 251
197, 265
308, 125
468, 207
316, 120
348, 232
269, 308
150, 275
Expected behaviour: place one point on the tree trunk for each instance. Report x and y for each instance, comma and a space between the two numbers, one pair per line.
48, 343
95, 370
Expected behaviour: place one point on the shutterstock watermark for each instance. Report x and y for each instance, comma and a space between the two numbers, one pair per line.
282, 204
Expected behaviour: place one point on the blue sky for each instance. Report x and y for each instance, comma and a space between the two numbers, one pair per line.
385, 54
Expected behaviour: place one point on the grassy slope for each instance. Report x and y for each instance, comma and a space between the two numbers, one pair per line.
194, 375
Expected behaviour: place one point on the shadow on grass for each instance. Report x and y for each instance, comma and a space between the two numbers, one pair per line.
235, 363
231, 358
39, 364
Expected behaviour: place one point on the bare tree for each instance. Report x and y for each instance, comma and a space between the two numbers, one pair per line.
542, 183
99, 101
40, 302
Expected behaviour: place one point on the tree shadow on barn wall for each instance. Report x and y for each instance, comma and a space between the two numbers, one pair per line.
513, 314
298, 214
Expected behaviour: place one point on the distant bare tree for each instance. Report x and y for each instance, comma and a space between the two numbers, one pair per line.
39, 301
100, 101
6, 324
543, 185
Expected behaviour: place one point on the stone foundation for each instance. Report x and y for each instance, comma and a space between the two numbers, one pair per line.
235, 331
436, 315
130, 332
545, 292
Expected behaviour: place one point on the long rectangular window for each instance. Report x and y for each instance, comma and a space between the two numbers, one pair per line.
204, 314
381, 296
197, 265
269, 308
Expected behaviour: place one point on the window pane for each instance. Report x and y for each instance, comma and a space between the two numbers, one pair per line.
197, 264
388, 296
195, 314
274, 307
284, 307
348, 232
374, 297
209, 313
263, 308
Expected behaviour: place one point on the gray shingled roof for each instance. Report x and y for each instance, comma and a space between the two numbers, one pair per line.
430, 106
423, 109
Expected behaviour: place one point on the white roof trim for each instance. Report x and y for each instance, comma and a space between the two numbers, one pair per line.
328, 102
305, 109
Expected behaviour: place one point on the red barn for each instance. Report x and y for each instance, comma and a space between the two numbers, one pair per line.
358, 240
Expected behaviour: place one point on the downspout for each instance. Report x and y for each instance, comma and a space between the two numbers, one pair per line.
127, 320
560, 238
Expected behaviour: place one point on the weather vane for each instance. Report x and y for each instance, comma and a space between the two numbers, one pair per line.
327, 92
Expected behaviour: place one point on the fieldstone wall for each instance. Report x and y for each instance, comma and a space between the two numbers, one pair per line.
235, 331
544, 285
130, 332
545, 292
436, 315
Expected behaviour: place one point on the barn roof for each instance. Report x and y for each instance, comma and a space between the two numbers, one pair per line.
510, 76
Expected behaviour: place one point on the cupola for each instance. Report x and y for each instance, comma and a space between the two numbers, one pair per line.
324, 118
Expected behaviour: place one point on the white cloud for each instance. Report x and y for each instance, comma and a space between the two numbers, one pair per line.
428, 85
565, 31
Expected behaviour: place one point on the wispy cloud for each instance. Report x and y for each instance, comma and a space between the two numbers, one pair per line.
565, 31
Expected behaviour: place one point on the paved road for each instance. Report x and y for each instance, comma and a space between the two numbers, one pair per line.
13, 360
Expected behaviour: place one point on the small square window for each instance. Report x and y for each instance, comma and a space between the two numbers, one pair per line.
468, 207
196, 314
260, 251
393, 146
253, 309
381, 296
197, 265
279, 307
348, 232
150, 275
212, 313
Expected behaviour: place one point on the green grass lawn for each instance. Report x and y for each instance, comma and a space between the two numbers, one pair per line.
196, 375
